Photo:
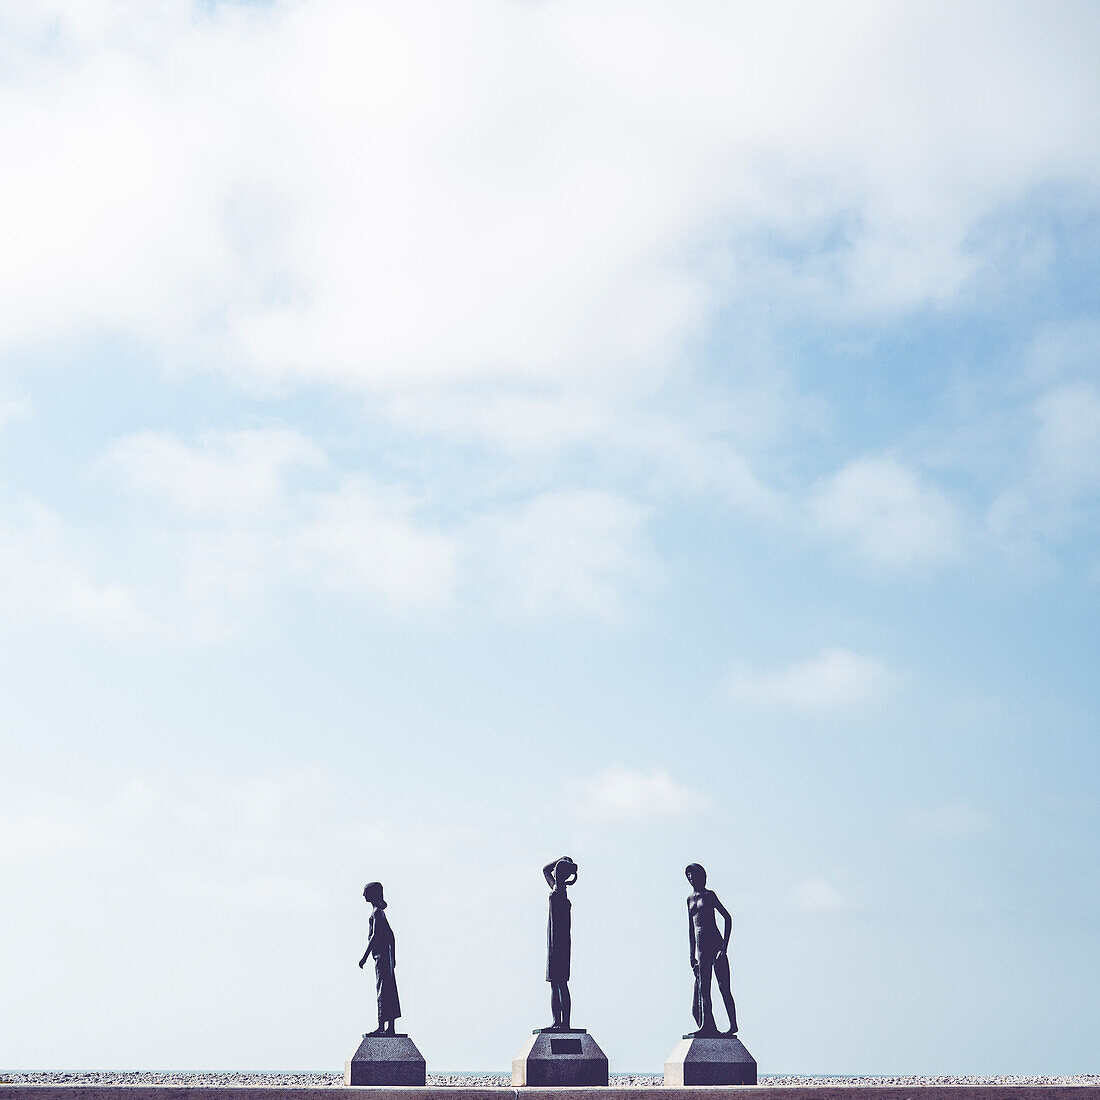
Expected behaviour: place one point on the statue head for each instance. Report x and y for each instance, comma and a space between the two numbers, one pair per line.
565, 872
696, 876
372, 892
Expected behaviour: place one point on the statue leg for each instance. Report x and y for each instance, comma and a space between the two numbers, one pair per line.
566, 1005
706, 969
722, 973
704, 1012
378, 979
555, 1003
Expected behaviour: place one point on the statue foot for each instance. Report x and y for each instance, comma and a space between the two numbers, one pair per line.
705, 1033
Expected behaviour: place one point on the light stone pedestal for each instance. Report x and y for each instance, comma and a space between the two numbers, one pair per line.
385, 1060
556, 1057
713, 1060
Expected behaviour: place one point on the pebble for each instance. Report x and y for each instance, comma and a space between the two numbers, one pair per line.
501, 1080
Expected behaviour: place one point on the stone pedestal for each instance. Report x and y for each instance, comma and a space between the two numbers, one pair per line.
714, 1060
385, 1060
557, 1057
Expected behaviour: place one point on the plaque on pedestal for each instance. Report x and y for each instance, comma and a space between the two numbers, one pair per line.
560, 1056
385, 1060
710, 1060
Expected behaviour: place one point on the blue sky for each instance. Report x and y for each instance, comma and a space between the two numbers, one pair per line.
436, 437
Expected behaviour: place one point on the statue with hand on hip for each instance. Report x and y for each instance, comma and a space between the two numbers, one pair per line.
709, 952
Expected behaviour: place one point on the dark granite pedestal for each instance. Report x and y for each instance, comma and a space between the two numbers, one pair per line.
710, 1060
553, 1056
385, 1060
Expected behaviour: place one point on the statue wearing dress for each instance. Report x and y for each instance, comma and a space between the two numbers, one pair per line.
559, 874
380, 944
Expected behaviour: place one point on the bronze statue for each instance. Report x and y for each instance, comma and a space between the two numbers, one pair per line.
380, 944
708, 952
559, 874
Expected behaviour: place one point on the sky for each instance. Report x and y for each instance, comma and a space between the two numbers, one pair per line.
440, 436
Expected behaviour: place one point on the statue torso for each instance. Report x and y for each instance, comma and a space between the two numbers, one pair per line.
382, 935
701, 910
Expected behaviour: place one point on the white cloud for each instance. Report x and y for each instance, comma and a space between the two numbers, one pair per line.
135, 799
244, 840
260, 894
42, 575
1068, 349
818, 895
361, 538
567, 554
237, 513
954, 819
509, 231
888, 515
1060, 477
221, 522
373, 193
13, 408
38, 835
679, 443
627, 793
236, 473
1067, 444
833, 678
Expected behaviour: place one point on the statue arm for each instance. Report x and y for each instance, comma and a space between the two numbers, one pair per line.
366, 953
548, 871
691, 936
727, 919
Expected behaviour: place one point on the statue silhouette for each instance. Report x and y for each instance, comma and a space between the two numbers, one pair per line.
380, 944
708, 952
559, 874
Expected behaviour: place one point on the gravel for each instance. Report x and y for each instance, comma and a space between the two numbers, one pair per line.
468, 1080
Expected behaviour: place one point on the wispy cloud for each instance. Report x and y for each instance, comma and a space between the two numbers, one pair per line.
1067, 442
819, 895
627, 793
952, 819
236, 473
573, 554
231, 516
888, 514
43, 573
1058, 479
355, 244
832, 678
36, 835
529, 297
13, 407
